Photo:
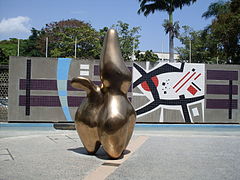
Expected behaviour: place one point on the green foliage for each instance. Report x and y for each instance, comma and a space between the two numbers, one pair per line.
3, 57
8, 48
62, 36
217, 8
147, 56
219, 42
150, 6
202, 47
171, 27
102, 33
29, 47
128, 38
226, 30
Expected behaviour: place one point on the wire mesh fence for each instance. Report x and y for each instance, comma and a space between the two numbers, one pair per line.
4, 93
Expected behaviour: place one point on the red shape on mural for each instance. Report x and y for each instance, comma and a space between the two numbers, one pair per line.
192, 90
145, 85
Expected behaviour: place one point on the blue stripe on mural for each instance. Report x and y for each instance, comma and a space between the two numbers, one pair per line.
62, 79
67, 113
62, 93
63, 68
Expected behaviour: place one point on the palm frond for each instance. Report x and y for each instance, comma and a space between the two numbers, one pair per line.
171, 27
216, 9
150, 6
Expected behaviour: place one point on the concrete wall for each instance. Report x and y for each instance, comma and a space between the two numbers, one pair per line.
222, 93
186, 93
39, 90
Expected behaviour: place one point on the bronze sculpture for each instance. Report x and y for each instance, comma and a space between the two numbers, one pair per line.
106, 116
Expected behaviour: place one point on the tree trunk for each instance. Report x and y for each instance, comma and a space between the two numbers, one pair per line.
171, 36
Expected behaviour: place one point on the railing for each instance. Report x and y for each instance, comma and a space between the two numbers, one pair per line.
3, 93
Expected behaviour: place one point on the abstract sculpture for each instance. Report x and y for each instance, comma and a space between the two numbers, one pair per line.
106, 116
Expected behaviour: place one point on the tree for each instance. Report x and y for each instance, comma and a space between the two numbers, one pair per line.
147, 56
203, 47
3, 57
128, 38
9, 48
29, 47
216, 9
225, 29
62, 36
150, 6
218, 42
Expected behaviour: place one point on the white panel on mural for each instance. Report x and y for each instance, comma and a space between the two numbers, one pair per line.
170, 86
84, 66
195, 112
84, 73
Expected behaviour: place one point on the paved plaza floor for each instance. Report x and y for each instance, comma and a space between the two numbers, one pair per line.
164, 153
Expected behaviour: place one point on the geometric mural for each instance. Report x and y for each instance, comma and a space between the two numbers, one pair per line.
40, 90
175, 86
61, 84
64, 97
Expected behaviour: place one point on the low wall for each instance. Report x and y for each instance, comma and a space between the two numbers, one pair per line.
40, 90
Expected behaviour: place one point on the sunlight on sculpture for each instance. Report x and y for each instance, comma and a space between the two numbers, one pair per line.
106, 117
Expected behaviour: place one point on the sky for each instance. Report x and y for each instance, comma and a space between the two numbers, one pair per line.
17, 17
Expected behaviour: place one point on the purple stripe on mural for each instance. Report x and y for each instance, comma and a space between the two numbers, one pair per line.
50, 101
74, 101
222, 75
221, 89
39, 84
48, 85
221, 104
70, 88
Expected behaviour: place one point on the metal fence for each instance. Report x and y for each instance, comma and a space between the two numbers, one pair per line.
3, 93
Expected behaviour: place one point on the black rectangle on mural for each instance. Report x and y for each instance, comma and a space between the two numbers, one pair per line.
28, 88
221, 89
222, 75
221, 104
230, 100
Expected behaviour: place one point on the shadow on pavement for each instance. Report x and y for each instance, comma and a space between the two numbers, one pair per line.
101, 154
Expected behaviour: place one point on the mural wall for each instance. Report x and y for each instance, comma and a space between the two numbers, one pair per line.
175, 88
40, 90
222, 93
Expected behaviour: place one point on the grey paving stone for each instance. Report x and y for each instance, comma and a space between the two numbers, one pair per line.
167, 154
184, 158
